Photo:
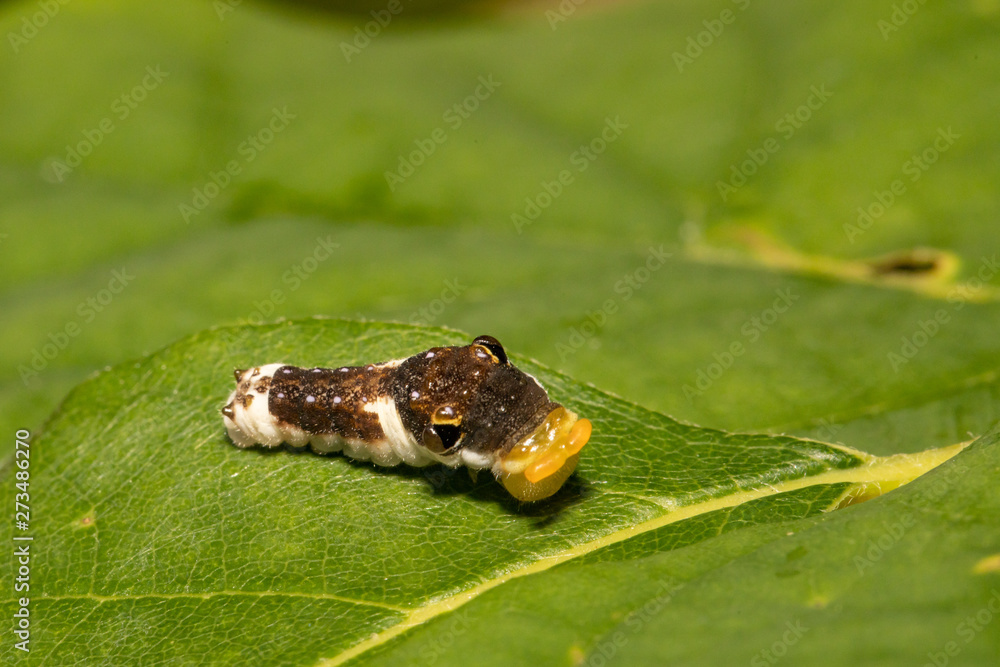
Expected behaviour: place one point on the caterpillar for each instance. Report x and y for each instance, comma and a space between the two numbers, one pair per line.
457, 405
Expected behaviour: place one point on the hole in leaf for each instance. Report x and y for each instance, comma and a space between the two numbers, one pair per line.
919, 262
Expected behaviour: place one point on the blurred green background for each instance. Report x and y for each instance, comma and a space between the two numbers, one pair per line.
229, 160
749, 215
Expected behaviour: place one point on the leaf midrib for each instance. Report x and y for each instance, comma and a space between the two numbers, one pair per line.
901, 468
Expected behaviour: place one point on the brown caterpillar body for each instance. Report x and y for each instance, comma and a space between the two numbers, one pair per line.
460, 405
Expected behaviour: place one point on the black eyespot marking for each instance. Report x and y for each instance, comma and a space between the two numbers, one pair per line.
431, 440
439, 438
238, 372
448, 433
493, 345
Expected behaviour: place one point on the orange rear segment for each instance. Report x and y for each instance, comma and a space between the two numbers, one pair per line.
539, 465
556, 457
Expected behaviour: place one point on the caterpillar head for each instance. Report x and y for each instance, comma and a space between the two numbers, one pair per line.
471, 405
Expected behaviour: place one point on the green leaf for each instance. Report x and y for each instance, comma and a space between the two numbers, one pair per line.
556, 290
754, 585
820, 368
168, 543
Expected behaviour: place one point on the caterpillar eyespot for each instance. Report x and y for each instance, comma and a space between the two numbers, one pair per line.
459, 405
